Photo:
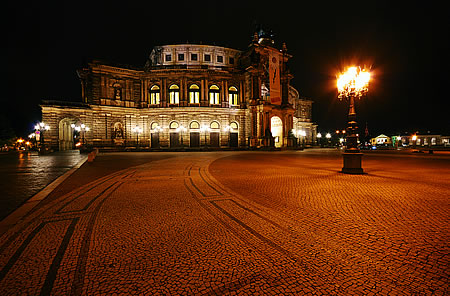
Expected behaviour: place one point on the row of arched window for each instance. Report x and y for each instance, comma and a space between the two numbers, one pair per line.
194, 95
194, 125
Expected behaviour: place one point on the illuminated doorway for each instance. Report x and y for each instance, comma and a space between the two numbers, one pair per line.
66, 134
276, 125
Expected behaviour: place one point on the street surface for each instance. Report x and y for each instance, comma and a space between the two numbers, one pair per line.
25, 173
271, 223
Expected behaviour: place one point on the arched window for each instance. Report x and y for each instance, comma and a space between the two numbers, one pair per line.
233, 96
173, 125
154, 94
174, 94
194, 94
214, 97
155, 126
214, 125
234, 126
194, 125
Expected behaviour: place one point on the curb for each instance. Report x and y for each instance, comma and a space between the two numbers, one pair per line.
25, 208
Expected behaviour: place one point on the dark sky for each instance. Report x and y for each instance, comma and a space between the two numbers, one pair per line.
405, 45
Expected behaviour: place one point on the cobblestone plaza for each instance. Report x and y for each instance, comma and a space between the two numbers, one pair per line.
241, 223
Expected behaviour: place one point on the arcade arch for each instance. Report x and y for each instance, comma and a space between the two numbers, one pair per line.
276, 127
65, 133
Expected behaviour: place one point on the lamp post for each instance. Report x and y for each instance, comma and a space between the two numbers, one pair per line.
303, 138
328, 136
181, 129
414, 140
205, 129
228, 129
319, 138
32, 137
40, 128
354, 83
81, 129
137, 129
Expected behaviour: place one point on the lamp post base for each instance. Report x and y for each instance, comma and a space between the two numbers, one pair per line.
352, 163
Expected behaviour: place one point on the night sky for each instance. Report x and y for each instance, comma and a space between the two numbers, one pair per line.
405, 45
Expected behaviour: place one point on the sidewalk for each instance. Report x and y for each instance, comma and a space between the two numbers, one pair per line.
235, 222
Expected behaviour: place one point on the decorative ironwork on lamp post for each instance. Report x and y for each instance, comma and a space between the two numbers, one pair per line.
352, 84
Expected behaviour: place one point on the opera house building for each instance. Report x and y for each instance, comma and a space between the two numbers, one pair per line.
189, 96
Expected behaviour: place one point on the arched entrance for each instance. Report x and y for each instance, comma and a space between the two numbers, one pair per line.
155, 129
174, 134
276, 127
214, 134
65, 136
234, 136
194, 134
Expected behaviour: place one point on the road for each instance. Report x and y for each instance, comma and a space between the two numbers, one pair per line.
239, 223
23, 174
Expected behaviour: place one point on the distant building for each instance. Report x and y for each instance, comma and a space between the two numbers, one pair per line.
381, 140
187, 95
426, 140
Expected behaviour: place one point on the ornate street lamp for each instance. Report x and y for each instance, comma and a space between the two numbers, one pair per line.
81, 129
137, 129
354, 83
40, 128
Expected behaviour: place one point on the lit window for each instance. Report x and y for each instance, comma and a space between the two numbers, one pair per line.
154, 126
214, 95
234, 126
207, 58
168, 57
194, 125
233, 96
214, 125
194, 94
154, 95
173, 125
174, 94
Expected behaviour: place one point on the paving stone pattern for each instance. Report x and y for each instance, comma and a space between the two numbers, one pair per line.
238, 224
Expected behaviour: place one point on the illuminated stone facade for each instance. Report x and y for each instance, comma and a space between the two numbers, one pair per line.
185, 96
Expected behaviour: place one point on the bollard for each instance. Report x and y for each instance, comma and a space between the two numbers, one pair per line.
91, 155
